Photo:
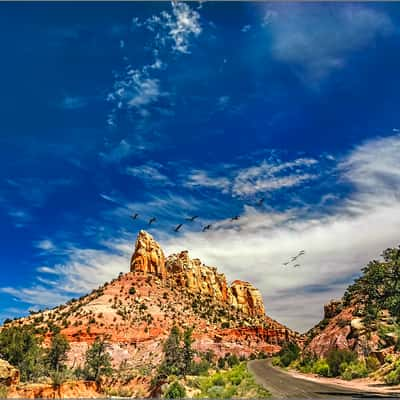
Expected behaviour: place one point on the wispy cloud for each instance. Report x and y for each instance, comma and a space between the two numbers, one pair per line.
318, 41
184, 24
200, 178
45, 245
139, 88
266, 176
73, 102
337, 243
149, 174
116, 153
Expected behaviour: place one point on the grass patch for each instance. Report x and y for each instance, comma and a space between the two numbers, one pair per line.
236, 382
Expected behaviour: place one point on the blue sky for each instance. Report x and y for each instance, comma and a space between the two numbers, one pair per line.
172, 110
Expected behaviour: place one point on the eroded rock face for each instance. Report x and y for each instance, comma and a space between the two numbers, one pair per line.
192, 274
245, 297
8, 374
148, 256
196, 277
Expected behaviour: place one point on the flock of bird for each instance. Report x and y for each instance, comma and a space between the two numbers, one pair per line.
294, 258
205, 228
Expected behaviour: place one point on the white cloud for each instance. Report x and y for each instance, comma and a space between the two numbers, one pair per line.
265, 177
320, 39
137, 88
200, 178
73, 102
246, 28
149, 173
46, 245
117, 153
262, 178
185, 25
337, 243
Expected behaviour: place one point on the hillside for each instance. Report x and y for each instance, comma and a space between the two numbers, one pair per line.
365, 319
136, 311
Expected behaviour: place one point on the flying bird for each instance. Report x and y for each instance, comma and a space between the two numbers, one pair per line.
260, 202
235, 218
178, 227
206, 228
296, 265
134, 216
154, 219
191, 219
286, 263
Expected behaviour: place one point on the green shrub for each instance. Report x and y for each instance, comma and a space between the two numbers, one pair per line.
356, 369
232, 360
321, 367
372, 363
337, 357
132, 290
175, 391
276, 361
393, 377
289, 352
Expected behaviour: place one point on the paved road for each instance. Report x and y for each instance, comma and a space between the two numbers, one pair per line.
285, 386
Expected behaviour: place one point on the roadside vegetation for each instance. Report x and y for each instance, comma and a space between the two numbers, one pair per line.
186, 373
375, 299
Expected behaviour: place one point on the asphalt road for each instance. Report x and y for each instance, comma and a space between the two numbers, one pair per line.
285, 386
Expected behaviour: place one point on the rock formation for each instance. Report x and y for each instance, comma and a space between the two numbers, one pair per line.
148, 256
192, 274
8, 374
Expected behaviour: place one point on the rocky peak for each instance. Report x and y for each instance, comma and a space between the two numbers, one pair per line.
193, 275
148, 256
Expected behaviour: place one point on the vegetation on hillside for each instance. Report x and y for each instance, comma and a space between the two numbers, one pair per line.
24, 349
378, 288
375, 298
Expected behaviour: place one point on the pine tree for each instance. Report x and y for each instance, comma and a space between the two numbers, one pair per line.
97, 361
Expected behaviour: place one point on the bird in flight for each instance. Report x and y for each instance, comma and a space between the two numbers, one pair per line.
296, 265
191, 219
235, 218
178, 227
134, 216
286, 263
260, 202
206, 228
154, 219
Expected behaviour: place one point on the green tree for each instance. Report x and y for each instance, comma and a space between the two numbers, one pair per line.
187, 351
175, 391
379, 286
97, 361
57, 353
172, 364
22, 349
289, 352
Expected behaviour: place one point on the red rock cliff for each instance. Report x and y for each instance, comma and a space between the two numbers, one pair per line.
149, 258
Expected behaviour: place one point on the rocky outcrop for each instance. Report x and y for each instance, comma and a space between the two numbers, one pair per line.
332, 308
148, 257
196, 277
193, 275
246, 298
8, 374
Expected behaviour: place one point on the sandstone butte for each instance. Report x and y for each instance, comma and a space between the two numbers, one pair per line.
137, 310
